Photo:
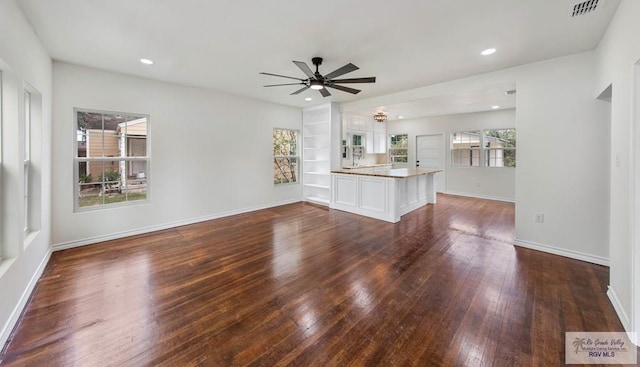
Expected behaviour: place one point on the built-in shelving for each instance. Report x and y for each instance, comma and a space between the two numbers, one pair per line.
321, 151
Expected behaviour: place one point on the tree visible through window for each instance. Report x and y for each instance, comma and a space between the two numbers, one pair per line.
111, 158
500, 147
285, 156
398, 148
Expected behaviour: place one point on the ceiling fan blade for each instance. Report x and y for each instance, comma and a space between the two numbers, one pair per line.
277, 85
341, 71
282, 76
305, 68
344, 89
300, 90
324, 92
371, 79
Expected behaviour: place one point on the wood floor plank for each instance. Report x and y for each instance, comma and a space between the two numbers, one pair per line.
302, 285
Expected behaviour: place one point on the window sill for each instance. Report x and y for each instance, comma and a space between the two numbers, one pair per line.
5, 265
29, 237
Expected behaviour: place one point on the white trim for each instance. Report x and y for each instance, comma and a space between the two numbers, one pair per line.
7, 329
563, 252
624, 318
634, 212
477, 196
134, 232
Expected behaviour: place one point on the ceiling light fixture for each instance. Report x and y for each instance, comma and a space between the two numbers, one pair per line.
400, 117
146, 61
380, 117
308, 99
488, 51
495, 107
316, 84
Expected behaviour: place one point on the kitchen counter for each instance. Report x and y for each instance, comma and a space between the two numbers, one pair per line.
388, 172
382, 192
388, 165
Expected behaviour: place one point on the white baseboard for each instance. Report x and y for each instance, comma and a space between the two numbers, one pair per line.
477, 196
563, 252
622, 315
17, 310
137, 231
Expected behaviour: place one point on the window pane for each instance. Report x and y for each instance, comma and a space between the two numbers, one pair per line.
133, 137
285, 170
465, 157
399, 141
135, 181
89, 124
285, 160
285, 142
465, 139
500, 147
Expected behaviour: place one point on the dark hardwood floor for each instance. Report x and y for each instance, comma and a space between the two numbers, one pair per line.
302, 285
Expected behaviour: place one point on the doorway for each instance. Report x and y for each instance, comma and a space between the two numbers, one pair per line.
430, 154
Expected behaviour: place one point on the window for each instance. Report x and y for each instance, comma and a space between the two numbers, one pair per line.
398, 148
27, 157
285, 156
500, 147
1, 142
465, 149
112, 161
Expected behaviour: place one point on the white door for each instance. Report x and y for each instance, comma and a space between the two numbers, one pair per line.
430, 154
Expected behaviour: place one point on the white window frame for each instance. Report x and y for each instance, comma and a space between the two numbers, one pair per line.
127, 160
1, 163
26, 158
392, 158
488, 150
472, 150
295, 156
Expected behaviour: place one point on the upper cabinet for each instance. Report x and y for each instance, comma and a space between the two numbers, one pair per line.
355, 123
374, 133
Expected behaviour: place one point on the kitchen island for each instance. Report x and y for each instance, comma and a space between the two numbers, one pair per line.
381, 192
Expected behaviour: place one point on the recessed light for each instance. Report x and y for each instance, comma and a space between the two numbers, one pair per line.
488, 51
308, 99
400, 117
146, 61
495, 107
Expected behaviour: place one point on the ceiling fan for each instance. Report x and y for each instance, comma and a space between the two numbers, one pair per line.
319, 82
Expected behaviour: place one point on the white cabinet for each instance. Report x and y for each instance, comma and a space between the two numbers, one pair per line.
375, 133
369, 146
377, 139
380, 142
321, 146
355, 123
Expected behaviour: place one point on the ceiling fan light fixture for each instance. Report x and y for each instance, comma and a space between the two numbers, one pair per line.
316, 84
380, 117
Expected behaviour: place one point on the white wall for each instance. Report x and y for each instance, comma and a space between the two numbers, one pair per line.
211, 153
616, 55
23, 63
563, 152
494, 183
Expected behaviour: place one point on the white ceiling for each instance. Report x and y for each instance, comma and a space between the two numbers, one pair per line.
222, 45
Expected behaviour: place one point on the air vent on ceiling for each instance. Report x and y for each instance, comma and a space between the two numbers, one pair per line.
510, 92
583, 7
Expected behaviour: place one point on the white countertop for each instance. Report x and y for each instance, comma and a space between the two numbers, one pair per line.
388, 172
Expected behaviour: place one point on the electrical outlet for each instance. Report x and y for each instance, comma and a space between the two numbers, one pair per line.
539, 218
